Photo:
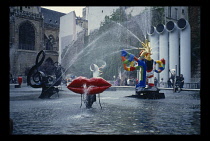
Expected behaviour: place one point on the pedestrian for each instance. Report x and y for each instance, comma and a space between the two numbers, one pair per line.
173, 75
128, 81
10, 78
161, 83
198, 84
169, 83
137, 81
118, 81
13, 80
155, 81
181, 78
132, 82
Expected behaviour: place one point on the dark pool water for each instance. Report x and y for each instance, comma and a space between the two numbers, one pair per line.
178, 113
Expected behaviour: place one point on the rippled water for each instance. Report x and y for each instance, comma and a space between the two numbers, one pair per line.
178, 113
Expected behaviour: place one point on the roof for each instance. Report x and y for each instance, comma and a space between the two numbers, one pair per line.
51, 17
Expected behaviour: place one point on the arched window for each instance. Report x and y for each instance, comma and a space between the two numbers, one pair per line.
26, 36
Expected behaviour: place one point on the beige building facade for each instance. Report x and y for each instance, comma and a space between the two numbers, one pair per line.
32, 29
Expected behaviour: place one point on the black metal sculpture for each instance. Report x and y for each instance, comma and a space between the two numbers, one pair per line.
47, 77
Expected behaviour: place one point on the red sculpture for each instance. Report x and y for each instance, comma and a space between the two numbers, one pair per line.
90, 86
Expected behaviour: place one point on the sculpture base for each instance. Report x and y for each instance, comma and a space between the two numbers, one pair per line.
146, 93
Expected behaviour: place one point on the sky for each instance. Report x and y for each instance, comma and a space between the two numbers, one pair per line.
66, 9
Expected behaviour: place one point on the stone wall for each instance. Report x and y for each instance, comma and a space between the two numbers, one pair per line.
21, 60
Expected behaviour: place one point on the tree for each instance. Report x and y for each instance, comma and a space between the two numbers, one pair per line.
112, 43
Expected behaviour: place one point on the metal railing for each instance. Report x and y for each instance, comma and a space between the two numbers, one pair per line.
194, 85
186, 85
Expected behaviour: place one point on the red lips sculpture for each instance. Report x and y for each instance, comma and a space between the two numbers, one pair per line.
92, 86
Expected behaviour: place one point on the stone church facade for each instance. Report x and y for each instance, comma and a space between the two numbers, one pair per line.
32, 29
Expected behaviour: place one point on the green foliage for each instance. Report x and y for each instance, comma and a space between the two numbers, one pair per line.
113, 61
118, 16
194, 21
157, 15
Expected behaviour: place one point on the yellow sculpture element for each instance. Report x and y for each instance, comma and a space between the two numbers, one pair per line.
132, 64
146, 50
160, 63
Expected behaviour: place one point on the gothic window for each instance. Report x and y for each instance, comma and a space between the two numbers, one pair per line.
26, 36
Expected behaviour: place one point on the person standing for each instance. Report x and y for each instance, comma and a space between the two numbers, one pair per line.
161, 83
155, 81
181, 78
169, 83
137, 81
128, 82
119, 81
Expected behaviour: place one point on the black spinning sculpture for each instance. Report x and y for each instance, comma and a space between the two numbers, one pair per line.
47, 77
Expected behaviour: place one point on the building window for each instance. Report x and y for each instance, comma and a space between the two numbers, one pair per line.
26, 36
183, 11
169, 11
176, 14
